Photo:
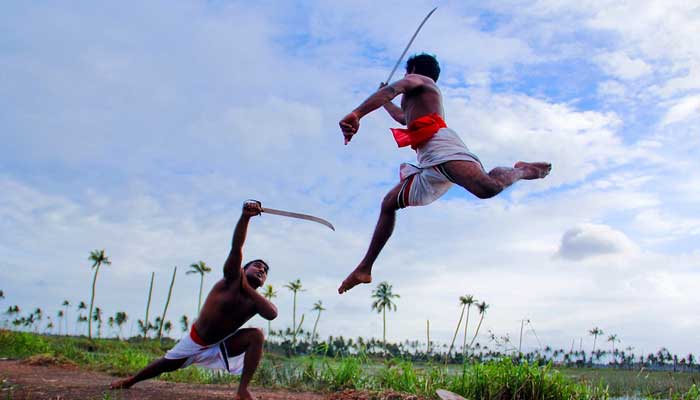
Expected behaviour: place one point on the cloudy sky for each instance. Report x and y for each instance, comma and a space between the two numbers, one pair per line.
142, 128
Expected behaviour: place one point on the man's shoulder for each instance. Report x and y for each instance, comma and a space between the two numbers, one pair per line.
418, 83
420, 79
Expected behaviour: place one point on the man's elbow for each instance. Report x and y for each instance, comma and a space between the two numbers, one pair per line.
270, 315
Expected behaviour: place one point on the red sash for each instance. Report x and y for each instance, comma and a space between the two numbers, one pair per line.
419, 131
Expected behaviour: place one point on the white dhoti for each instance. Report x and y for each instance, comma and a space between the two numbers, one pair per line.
425, 183
213, 356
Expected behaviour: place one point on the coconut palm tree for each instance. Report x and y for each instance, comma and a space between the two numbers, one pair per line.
469, 300
97, 317
482, 307
295, 287
612, 339
318, 306
269, 293
81, 307
38, 316
65, 305
59, 315
98, 258
200, 268
595, 332
384, 297
167, 326
463, 300
120, 318
185, 323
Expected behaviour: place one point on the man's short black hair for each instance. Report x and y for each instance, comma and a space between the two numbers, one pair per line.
267, 267
424, 64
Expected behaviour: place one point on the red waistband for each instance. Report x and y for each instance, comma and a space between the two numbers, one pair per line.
195, 337
419, 131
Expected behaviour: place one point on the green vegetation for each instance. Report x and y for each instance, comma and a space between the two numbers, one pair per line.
497, 379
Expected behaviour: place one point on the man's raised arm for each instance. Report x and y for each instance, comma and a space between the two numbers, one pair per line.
263, 306
232, 266
350, 124
395, 111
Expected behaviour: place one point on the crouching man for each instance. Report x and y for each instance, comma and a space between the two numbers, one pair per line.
216, 339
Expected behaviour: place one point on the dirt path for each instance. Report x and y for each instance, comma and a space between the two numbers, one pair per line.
20, 381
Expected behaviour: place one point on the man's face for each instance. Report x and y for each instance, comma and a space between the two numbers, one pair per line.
256, 274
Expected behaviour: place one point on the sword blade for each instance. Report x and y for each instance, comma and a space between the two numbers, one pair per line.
410, 42
299, 216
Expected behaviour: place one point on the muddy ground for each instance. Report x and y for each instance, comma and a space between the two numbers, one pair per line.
23, 381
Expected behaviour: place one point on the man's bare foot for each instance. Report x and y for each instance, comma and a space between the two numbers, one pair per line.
121, 384
534, 170
359, 275
244, 394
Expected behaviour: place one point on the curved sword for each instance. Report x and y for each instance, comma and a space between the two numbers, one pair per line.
410, 42
294, 215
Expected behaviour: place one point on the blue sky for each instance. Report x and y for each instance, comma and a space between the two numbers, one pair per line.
142, 128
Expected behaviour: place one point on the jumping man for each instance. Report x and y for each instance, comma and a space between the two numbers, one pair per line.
443, 159
216, 339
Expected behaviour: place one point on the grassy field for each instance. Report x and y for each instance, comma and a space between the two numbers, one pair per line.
494, 380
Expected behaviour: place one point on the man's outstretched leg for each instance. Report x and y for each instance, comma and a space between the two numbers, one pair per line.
153, 369
249, 341
467, 174
484, 185
382, 233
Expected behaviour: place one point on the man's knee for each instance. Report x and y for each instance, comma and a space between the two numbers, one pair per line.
488, 190
257, 337
390, 203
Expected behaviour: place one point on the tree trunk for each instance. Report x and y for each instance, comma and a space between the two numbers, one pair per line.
384, 329
313, 335
201, 285
459, 323
294, 322
477, 330
92, 299
148, 307
466, 322
427, 332
595, 337
167, 302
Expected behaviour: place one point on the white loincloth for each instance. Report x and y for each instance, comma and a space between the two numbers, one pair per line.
425, 183
213, 356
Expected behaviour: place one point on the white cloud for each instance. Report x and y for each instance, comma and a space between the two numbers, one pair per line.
620, 65
591, 240
502, 129
654, 222
686, 108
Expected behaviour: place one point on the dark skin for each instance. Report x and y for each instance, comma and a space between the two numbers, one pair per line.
421, 96
231, 303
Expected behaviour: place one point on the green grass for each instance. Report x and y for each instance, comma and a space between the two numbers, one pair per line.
497, 380
631, 383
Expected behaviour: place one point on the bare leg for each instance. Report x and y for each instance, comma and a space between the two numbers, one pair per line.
153, 369
382, 233
250, 341
484, 185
